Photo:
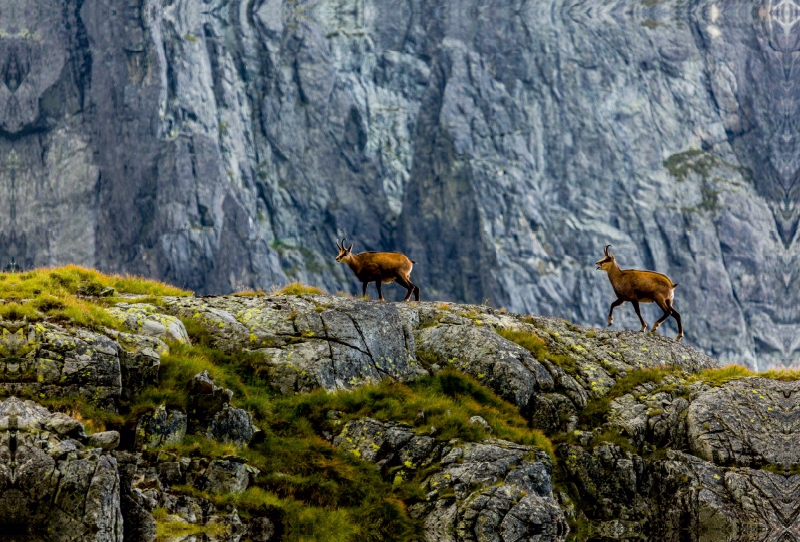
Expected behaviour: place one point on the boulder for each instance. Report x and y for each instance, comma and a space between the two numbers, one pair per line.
106, 440
61, 362
146, 319
223, 476
160, 427
211, 415
507, 368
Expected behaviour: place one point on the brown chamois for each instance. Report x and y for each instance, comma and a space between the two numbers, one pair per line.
640, 287
379, 267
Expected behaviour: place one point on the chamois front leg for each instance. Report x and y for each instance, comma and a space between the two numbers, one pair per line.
614, 305
380, 293
639, 314
677, 319
364, 289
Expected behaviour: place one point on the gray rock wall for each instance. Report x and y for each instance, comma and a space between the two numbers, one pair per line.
227, 144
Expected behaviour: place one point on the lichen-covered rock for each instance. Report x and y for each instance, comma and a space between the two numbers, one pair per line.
615, 481
140, 360
146, 319
510, 370
232, 425
481, 490
748, 422
491, 490
61, 362
311, 342
106, 440
211, 415
51, 487
393, 447
160, 427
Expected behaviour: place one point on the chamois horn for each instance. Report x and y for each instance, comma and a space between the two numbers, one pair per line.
605, 250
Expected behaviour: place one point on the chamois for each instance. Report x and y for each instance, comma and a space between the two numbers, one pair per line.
379, 267
640, 287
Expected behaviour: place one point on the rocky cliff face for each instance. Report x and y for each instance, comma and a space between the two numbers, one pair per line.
226, 144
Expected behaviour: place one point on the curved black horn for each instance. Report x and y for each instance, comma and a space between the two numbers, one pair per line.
338, 245
605, 250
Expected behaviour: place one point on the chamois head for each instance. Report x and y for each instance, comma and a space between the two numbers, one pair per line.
343, 252
607, 262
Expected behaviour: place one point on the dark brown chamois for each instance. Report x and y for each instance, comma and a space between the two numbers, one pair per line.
640, 287
380, 268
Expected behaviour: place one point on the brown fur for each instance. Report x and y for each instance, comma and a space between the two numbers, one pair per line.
640, 287
380, 268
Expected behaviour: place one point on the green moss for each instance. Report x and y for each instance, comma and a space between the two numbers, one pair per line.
539, 349
681, 164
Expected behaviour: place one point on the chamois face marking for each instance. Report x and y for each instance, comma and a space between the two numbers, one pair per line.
343, 252
606, 262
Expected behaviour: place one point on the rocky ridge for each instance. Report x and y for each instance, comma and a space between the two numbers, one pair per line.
649, 436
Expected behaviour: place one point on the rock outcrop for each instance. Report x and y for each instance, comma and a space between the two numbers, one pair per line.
651, 438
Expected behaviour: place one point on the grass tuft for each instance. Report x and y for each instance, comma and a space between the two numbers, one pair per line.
298, 288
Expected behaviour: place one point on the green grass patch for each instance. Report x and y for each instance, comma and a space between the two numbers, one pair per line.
723, 375
539, 349
69, 294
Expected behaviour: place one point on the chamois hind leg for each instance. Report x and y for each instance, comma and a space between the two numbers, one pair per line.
662, 304
614, 305
408, 285
364, 289
677, 319
380, 293
639, 314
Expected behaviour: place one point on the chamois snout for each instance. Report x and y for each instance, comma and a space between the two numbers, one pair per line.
607, 260
343, 251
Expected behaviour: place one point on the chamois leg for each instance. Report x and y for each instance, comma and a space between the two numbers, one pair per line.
639, 314
667, 312
364, 289
380, 293
408, 285
614, 305
677, 319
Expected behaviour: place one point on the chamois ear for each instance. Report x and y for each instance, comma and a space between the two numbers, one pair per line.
350, 247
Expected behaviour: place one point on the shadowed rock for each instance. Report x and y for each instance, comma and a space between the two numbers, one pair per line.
52, 488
